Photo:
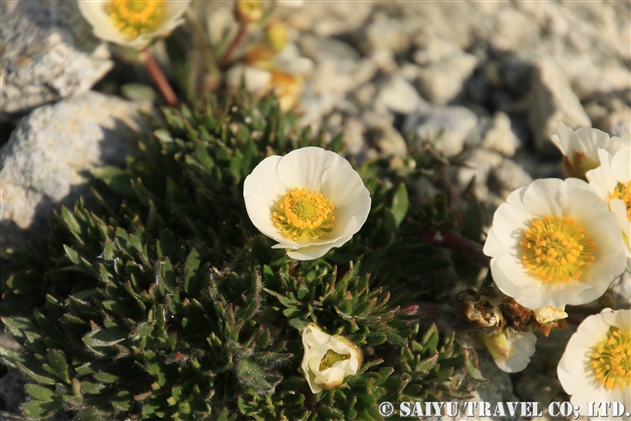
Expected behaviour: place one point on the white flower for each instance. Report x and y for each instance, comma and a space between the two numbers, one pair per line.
309, 200
554, 243
596, 365
612, 181
511, 351
328, 360
580, 148
133, 23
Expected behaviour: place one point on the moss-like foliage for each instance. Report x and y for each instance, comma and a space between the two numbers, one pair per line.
172, 305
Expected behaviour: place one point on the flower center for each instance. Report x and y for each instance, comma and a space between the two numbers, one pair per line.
331, 357
623, 193
303, 215
135, 17
554, 249
611, 360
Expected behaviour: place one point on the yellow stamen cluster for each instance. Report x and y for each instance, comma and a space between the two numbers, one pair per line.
623, 193
135, 17
330, 358
303, 215
554, 249
611, 360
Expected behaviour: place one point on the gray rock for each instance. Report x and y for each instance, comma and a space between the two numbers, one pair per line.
48, 53
611, 113
456, 123
390, 142
388, 33
399, 96
47, 161
500, 137
442, 82
434, 50
509, 176
553, 102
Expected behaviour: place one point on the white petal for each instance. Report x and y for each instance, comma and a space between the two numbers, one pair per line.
305, 167
619, 208
620, 318
510, 277
621, 166
541, 197
562, 137
345, 189
314, 336
264, 181
309, 252
600, 178
510, 221
492, 246
522, 347
102, 25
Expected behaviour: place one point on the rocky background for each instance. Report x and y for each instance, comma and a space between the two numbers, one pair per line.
496, 77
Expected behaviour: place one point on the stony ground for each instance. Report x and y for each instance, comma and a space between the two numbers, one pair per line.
495, 76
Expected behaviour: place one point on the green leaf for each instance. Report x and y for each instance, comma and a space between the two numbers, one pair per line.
35, 372
102, 341
39, 392
92, 388
190, 270
41, 409
399, 204
115, 178
58, 363
72, 255
70, 220
18, 325
106, 377
252, 375
143, 330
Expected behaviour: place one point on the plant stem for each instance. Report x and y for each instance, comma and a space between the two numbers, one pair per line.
159, 79
223, 62
457, 243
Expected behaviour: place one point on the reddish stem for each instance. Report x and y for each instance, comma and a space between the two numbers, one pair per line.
159, 79
223, 62
457, 243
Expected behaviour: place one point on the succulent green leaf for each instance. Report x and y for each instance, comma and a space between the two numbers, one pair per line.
39, 392
39, 409
59, 365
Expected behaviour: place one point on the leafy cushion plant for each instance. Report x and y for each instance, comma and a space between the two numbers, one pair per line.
172, 305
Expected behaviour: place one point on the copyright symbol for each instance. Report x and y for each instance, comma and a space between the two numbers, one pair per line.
386, 409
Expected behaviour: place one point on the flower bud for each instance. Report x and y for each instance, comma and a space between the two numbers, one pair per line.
328, 359
248, 11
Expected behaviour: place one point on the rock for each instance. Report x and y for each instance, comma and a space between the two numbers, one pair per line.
500, 137
48, 53
457, 122
328, 19
12, 394
442, 82
621, 289
399, 96
509, 176
388, 33
47, 161
434, 50
611, 113
513, 30
478, 163
553, 102
390, 142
